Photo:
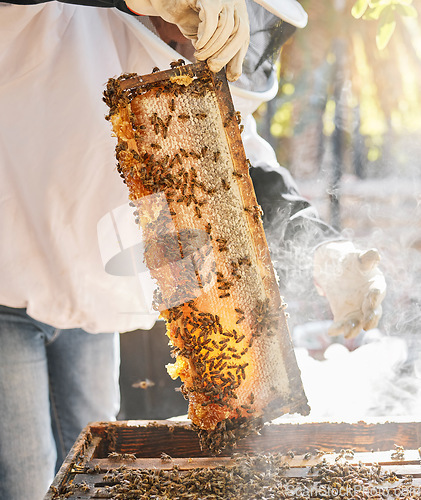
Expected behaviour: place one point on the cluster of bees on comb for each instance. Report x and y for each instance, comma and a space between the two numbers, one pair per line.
263, 475
180, 154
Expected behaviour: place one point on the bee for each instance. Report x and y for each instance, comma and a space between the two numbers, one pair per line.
399, 453
407, 480
84, 486
155, 69
349, 454
192, 306
144, 384
222, 244
165, 457
204, 150
159, 120
183, 116
226, 185
201, 116
216, 155
228, 120
172, 105
237, 174
177, 64
155, 146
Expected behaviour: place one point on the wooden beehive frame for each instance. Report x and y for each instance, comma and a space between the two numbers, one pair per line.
170, 125
140, 444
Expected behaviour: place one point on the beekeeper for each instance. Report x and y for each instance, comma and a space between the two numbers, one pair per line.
58, 182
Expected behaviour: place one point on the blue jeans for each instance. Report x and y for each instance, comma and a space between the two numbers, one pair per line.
52, 384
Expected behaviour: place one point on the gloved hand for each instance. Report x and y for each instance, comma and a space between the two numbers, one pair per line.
353, 285
219, 29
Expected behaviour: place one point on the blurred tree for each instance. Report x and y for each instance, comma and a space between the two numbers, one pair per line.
349, 81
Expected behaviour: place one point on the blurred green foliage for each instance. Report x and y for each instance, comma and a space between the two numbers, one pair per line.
378, 70
386, 13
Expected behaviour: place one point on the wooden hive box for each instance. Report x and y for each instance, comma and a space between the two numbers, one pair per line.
107, 450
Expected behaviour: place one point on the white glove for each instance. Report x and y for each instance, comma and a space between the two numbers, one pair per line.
353, 285
219, 29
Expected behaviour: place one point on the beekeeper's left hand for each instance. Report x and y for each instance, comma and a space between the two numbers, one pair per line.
353, 285
219, 29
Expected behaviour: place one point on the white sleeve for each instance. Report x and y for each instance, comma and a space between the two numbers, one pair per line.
258, 151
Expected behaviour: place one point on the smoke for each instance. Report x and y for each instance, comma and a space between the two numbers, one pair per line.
369, 381
292, 242
379, 373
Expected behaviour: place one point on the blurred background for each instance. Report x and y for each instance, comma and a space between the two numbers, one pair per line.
347, 124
